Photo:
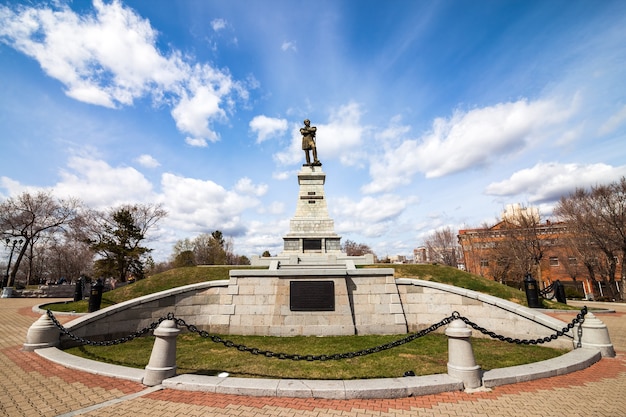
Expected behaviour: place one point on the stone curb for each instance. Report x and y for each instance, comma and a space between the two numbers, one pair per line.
575, 360
67, 360
334, 389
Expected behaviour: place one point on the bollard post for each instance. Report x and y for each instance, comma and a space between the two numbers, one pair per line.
42, 334
162, 363
461, 362
593, 334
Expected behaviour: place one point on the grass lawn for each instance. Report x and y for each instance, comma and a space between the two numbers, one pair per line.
424, 356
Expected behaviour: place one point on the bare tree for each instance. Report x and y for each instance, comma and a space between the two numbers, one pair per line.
442, 246
207, 249
523, 241
352, 248
29, 216
598, 216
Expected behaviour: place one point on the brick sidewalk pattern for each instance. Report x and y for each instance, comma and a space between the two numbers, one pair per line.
32, 386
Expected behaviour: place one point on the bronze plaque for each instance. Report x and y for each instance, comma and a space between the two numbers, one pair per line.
312, 296
311, 244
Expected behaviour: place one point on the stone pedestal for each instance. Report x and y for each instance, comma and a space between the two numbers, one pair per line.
365, 301
265, 302
311, 230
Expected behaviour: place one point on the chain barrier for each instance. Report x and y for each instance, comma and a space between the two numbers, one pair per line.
546, 291
580, 318
121, 340
336, 356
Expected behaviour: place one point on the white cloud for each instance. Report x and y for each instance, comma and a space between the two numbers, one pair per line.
370, 216
266, 127
274, 208
294, 153
614, 122
147, 161
289, 46
196, 142
466, 140
549, 181
393, 133
203, 206
14, 187
100, 185
245, 186
340, 138
218, 24
109, 58
343, 135
283, 175
192, 114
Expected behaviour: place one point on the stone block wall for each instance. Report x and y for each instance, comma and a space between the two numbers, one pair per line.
426, 303
47, 291
223, 307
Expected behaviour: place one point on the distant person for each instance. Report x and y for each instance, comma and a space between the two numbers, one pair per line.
308, 143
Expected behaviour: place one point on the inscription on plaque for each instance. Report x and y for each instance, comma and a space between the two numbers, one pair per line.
312, 244
312, 296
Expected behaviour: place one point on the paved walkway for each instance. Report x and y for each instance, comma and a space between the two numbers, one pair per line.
32, 386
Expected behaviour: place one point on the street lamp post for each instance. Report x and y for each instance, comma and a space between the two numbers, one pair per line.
15, 242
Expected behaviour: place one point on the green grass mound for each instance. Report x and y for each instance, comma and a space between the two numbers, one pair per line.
191, 275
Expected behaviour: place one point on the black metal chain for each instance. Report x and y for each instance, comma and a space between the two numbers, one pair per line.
549, 289
308, 357
121, 340
580, 318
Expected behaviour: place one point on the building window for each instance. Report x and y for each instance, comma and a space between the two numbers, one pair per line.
554, 261
572, 260
484, 262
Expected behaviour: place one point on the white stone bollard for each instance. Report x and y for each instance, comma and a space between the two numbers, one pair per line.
42, 334
162, 364
461, 362
594, 335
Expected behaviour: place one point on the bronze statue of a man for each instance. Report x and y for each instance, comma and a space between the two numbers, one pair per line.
308, 143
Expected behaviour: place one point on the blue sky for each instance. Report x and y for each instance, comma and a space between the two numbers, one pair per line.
429, 113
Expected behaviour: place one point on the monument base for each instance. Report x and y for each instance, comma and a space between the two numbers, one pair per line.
315, 298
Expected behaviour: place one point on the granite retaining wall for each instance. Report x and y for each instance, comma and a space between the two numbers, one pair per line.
424, 303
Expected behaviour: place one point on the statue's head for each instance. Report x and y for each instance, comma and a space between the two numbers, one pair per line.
307, 122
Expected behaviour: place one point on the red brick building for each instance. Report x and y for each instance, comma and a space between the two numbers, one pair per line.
506, 251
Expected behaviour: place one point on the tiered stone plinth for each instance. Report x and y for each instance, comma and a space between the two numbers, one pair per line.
311, 230
366, 301
362, 301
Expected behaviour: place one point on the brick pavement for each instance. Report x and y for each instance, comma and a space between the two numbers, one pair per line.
32, 386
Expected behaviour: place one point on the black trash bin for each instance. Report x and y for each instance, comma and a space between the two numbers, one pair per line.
95, 297
532, 292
